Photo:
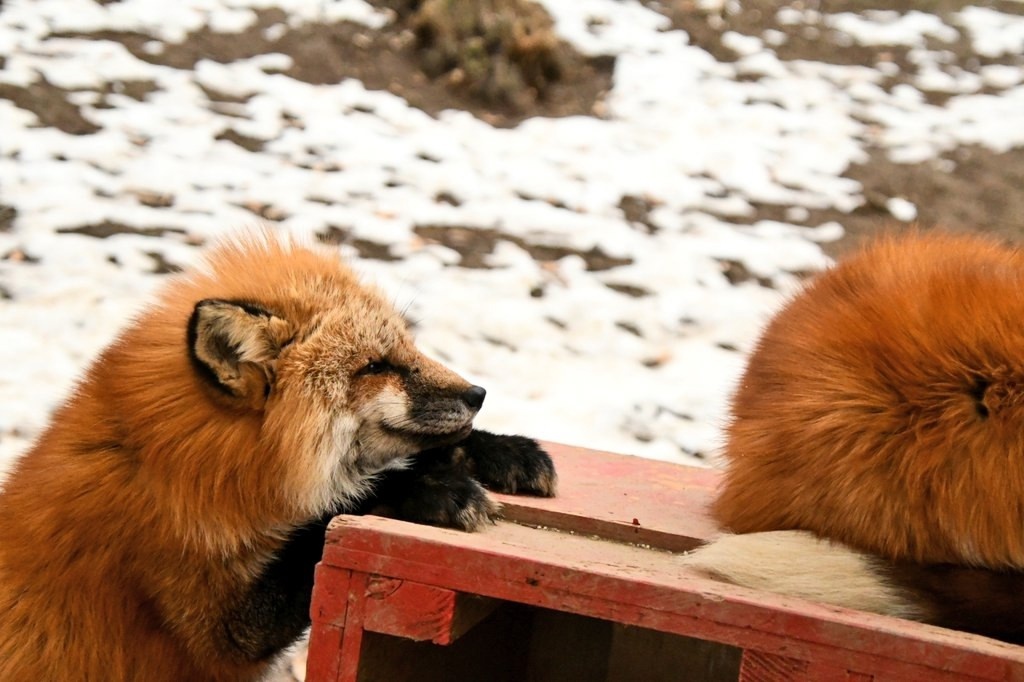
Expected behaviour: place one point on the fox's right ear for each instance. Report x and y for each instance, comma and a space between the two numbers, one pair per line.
235, 346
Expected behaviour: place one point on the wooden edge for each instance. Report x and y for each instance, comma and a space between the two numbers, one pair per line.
420, 612
327, 613
565, 573
622, 498
391, 606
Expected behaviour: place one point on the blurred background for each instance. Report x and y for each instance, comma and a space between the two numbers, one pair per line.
590, 207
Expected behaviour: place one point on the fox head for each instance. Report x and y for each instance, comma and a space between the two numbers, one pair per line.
272, 376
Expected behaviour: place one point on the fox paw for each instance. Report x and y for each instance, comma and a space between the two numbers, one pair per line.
450, 501
510, 464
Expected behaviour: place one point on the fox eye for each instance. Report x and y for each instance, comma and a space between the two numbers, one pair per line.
376, 367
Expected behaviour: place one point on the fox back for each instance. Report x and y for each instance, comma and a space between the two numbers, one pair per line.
883, 407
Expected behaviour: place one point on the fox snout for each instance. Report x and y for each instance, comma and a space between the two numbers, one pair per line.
439, 410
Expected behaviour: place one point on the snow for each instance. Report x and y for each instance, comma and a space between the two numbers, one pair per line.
696, 139
901, 209
886, 27
993, 33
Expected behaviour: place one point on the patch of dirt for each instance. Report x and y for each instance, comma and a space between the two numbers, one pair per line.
474, 245
7, 216
251, 144
738, 273
50, 105
972, 189
162, 266
820, 42
637, 210
630, 290
265, 211
153, 199
365, 248
980, 194
136, 89
386, 59
109, 229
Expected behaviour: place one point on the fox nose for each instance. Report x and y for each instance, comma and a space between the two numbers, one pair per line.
474, 396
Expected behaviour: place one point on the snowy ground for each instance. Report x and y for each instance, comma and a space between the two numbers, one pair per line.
621, 261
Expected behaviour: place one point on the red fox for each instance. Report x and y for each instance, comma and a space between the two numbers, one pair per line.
166, 525
880, 426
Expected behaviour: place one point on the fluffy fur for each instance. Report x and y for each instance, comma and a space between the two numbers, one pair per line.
799, 564
883, 409
166, 524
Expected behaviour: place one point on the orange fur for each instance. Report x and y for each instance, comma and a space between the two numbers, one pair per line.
883, 407
152, 499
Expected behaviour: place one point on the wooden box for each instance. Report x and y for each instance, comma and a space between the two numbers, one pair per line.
587, 586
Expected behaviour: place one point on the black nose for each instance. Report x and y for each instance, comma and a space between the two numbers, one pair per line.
474, 397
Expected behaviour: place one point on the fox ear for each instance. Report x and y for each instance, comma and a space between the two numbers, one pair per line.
235, 346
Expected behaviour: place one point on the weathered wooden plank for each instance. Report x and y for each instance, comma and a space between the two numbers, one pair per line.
590, 553
623, 498
404, 608
647, 588
328, 611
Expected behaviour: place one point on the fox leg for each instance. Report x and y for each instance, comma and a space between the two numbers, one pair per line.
440, 487
274, 611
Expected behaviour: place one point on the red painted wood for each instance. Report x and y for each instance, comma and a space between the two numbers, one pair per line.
646, 588
399, 608
758, 666
630, 499
352, 635
596, 550
761, 667
323, 656
330, 601
411, 610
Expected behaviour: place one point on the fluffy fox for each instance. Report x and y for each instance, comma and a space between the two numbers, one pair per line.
875, 455
167, 523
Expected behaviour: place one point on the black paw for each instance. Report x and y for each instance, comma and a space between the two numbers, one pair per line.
448, 499
442, 486
509, 464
